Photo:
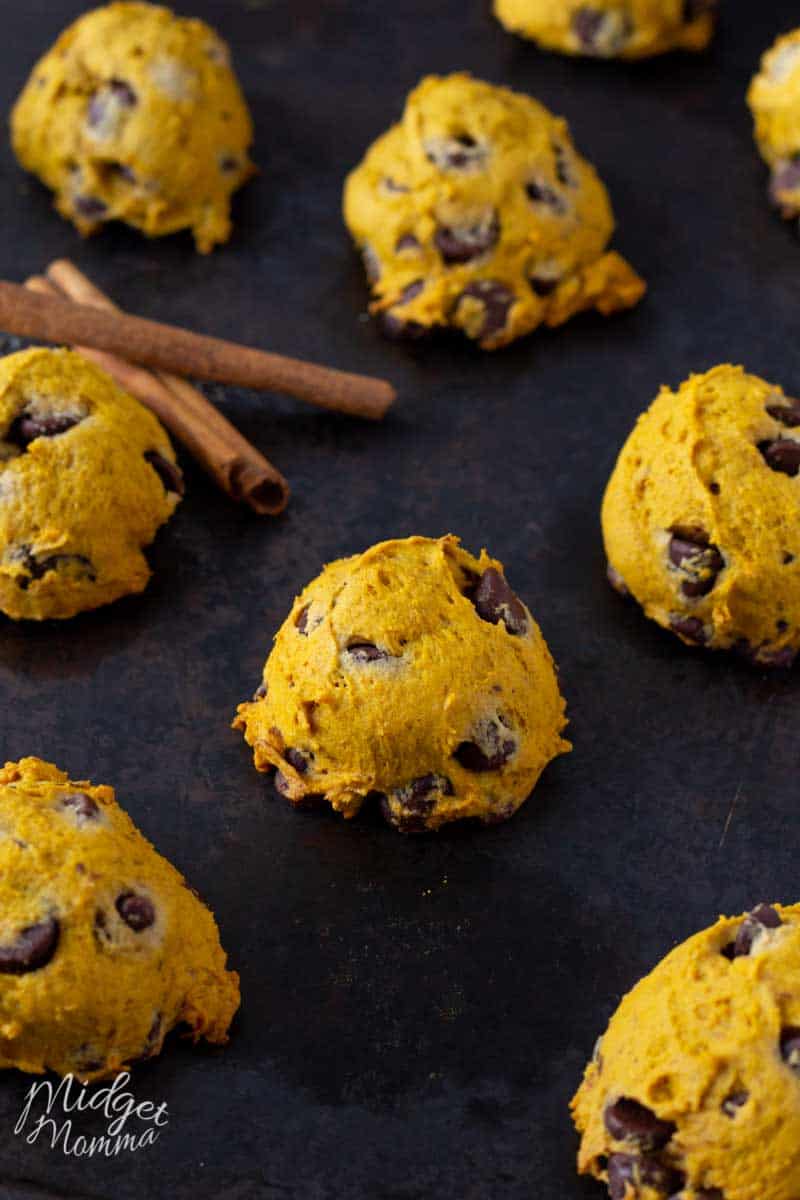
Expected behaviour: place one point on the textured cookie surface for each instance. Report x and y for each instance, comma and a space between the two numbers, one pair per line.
135, 115
611, 28
477, 212
774, 99
87, 475
694, 1090
411, 673
104, 948
701, 517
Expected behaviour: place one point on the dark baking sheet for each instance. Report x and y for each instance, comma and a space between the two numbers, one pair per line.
417, 1012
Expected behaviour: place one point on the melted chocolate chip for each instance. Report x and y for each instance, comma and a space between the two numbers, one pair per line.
261, 692
406, 242
491, 748
586, 25
691, 628
398, 327
169, 474
115, 95
84, 807
37, 567
27, 427
136, 911
495, 602
692, 552
782, 454
790, 1047
762, 917
461, 244
366, 652
540, 192
627, 1172
629, 1121
732, 1103
90, 207
296, 759
496, 300
788, 413
543, 286
32, 948
458, 153
416, 801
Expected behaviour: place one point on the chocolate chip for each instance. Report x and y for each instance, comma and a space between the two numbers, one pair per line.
540, 192
37, 568
391, 185
84, 807
416, 800
229, 164
762, 917
366, 652
458, 153
136, 911
406, 242
115, 95
691, 628
691, 551
261, 692
586, 25
564, 169
617, 582
785, 178
491, 748
32, 949
629, 1121
90, 207
790, 1047
627, 1172
732, 1103
26, 428
788, 414
169, 474
463, 243
543, 286
496, 300
600, 33
296, 759
782, 454
494, 602
398, 327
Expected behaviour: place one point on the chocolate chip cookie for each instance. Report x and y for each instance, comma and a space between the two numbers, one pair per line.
104, 948
87, 476
701, 517
476, 212
774, 99
693, 1092
611, 28
136, 115
411, 675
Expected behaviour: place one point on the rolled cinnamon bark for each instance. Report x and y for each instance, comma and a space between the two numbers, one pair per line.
239, 469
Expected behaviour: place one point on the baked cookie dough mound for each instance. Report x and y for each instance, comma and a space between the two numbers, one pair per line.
477, 212
611, 28
701, 517
136, 115
774, 99
693, 1092
411, 673
87, 475
104, 948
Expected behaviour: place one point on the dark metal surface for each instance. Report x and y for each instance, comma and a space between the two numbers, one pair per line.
417, 1012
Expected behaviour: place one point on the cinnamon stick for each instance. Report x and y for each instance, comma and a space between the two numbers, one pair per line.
180, 352
239, 469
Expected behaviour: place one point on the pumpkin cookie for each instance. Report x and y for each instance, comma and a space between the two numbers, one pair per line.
701, 517
477, 212
774, 99
410, 672
104, 948
87, 475
611, 28
135, 115
693, 1092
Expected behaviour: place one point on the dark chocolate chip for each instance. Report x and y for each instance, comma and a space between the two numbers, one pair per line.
37, 568
398, 327
586, 25
691, 551
763, 916
416, 800
26, 428
732, 1103
785, 178
260, 692
84, 807
169, 474
540, 192
456, 153
788, 414
32, 949
491, 748
496, 300
782, 454
366, 652
296, 759
90, 207
691, 628
406, 242
629, 1121
301, 621
136, 911
627, 1172
495, 602
790, 1047
564, 172
229, 164
543, 286
461, 244
118, 93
